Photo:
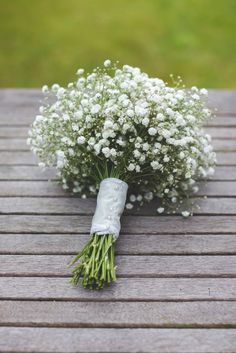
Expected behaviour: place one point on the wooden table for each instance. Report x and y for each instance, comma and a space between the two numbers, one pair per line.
176, 290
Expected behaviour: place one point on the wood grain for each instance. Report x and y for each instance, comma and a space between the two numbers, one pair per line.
118, 314
94, 340
130, 224
128, 289
71, 205
158, 244
127, 266
12, 172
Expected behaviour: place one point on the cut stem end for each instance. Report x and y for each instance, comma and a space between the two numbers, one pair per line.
97, 263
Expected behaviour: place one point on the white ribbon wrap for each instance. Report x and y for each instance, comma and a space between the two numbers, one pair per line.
110, 206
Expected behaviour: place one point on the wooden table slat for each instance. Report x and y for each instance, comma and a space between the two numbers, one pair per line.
157, 244
128, 289
118, 314
94, 340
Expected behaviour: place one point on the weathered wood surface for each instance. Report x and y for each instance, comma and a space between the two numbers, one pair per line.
127, 289
118, 314
176, 288
127, 266
83, 340
128, 244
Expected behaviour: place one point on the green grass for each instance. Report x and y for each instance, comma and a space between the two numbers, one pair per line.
45, 41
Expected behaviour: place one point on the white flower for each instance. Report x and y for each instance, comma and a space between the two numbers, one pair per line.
107, 63
129, 206
185, 213
108, 124
106, 151
160, 117
160, 209
95, 109
132, 198
60, 92
130, 113
41, 165
45, 89
78, 114
145, 121
204, 91
140, 111
131, 167
80, 72
155, 165
152, 131
81, 140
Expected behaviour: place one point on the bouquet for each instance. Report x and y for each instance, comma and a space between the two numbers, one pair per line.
116, 131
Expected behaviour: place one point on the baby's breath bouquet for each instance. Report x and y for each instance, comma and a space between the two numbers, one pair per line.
117, 129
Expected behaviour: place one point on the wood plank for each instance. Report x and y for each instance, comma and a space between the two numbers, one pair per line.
226, 158
13, 144
223, 121
223, 100
21, 172
32, 188
118, 314
72, 205
94, 340
127, 289
20, 96
28, 158
224, 145
222, 132
139, 244
223, 173
130, 224
127, 266
22, 114
13, 131
17, 158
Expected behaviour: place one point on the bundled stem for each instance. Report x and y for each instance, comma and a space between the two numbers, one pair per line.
97, 263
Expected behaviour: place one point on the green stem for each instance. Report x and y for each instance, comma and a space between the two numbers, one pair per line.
97, 263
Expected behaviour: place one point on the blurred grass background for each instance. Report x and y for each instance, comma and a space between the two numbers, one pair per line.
45, 41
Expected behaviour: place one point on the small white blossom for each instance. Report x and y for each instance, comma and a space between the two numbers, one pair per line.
129, 206
81, 140
160, 209
95, 109
152, 131
107, 63
185, 213
132, 198
80, 72
131, 167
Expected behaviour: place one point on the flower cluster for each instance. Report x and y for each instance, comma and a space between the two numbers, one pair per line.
119, 122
